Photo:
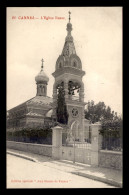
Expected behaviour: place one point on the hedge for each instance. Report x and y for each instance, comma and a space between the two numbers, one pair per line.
40, 136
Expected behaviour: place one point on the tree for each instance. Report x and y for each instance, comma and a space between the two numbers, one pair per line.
112, 133
98, 112
61, 111
111, 124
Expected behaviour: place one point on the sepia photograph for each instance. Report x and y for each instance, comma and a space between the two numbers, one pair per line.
64, 97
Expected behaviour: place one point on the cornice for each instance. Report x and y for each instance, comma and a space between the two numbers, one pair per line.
69, 70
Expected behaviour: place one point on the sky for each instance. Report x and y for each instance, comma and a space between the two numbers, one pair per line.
97, 34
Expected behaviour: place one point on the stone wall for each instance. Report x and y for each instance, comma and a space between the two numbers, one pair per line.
110, 159
41, 149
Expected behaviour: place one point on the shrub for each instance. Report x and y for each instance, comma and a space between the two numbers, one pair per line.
32, 135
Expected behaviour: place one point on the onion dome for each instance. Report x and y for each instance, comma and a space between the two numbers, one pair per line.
69, 27
41, 77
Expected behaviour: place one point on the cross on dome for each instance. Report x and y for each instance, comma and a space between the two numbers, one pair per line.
41, 77
69, 25
42, 64
69, 16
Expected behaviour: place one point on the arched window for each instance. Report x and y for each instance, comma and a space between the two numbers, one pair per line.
74, 64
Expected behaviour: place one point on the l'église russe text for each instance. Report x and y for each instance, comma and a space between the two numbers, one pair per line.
40, 18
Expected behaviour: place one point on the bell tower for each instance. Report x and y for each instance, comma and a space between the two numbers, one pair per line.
68, 73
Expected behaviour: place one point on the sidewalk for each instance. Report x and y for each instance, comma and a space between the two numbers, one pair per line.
109, 176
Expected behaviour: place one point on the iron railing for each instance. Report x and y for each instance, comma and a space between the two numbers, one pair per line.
111, 140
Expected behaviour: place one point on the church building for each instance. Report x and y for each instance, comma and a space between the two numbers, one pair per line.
41, 109
35, 112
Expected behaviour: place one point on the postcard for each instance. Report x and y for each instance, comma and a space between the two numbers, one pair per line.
64, 97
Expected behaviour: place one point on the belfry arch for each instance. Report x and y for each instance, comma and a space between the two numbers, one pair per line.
72, 88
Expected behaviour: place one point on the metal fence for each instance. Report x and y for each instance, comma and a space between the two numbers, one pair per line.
83, 145
112, 140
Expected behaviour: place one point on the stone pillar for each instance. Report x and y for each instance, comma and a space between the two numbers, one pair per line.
82, 126
95, 144
56, 142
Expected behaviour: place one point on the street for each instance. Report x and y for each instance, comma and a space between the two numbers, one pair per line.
22, 173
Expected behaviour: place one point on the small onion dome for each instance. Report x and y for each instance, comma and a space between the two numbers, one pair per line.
69, 27
41, 77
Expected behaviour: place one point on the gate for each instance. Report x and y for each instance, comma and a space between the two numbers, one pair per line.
78, 152
73, 149
86, 152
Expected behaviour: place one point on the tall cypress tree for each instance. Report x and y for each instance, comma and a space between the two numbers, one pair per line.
61, 111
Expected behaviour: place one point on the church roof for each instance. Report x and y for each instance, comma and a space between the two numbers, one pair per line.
37, 100
40, 100
68, 60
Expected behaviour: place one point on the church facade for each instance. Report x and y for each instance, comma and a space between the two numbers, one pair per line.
41, 109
